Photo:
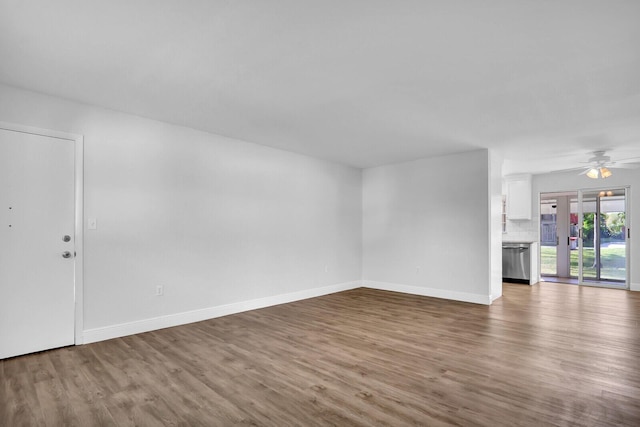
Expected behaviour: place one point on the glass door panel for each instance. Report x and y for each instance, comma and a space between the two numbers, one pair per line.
574, 232
613, 233
558, 235
603, 245
548, 237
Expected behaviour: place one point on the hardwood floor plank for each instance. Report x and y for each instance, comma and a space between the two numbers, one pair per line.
548, 354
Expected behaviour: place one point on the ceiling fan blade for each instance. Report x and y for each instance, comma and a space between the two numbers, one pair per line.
618, 165
628, 160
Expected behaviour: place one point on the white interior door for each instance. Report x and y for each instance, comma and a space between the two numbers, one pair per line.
37, 242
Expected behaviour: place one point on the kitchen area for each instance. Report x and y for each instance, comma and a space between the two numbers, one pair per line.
578, 236
520, 234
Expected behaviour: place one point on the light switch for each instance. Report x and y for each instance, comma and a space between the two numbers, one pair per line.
92, 223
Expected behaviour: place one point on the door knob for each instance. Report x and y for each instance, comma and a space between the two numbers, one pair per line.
66, 254
66, 238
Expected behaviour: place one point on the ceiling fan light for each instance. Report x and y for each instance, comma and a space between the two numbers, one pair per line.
593, 173
605, 173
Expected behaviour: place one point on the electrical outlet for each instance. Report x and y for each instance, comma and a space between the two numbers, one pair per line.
159, 290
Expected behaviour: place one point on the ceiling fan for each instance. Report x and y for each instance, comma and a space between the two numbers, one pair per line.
600, 165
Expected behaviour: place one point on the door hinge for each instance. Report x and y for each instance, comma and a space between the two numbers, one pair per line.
628, 233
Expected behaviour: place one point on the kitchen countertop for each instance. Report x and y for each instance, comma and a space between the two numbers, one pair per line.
520, 241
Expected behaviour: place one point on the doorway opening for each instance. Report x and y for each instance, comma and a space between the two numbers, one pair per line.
583, 237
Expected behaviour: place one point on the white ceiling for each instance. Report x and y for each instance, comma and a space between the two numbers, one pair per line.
361, 82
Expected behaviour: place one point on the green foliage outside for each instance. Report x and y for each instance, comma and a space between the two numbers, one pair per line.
611, 226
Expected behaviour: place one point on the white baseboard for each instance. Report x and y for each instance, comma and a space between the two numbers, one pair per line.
146, 325
634, 287
429, 292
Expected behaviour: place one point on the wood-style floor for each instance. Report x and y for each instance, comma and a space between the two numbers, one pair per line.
548, 354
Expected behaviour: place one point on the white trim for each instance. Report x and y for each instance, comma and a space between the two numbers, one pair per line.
634, 287
79, 212
629, 220
39, 131
429, 292
146, 325
79, 239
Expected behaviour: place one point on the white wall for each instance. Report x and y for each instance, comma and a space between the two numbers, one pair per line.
495, 223
426, 227
215, 221
571, 181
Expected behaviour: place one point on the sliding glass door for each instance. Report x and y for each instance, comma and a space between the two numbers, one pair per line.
603, 246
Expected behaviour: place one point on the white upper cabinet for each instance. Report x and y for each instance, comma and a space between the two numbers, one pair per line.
518, 197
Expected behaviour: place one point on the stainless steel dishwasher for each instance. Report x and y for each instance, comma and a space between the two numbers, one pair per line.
516, 262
